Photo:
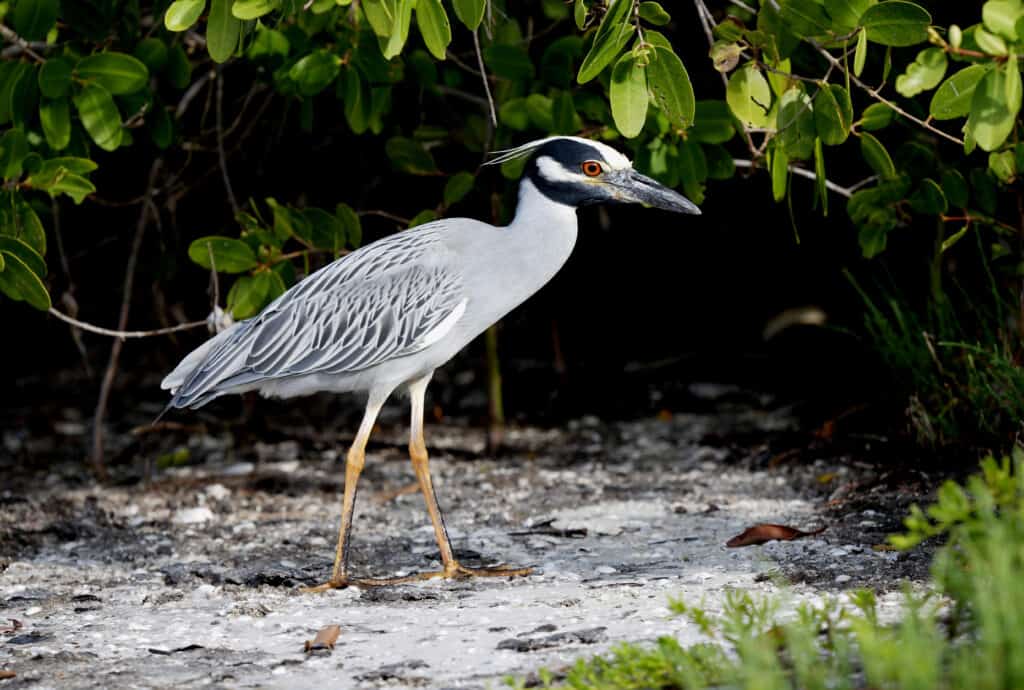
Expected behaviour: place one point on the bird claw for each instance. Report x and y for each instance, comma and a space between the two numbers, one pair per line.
453, 571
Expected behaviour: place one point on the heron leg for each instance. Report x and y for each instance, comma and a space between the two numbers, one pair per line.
354, 462
420, 463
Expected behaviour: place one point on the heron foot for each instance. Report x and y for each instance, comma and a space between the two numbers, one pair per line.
453, 571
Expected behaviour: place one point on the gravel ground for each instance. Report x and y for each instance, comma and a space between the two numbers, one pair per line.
193, 577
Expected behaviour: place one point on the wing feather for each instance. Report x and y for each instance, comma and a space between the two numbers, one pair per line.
385, 301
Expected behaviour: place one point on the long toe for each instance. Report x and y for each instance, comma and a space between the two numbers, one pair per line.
495, 571
330, 584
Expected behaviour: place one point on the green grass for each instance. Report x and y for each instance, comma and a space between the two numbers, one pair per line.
956, 362
971, 637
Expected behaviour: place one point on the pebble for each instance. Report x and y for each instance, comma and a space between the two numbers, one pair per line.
605, 570
217, 492
193, 516
842, 579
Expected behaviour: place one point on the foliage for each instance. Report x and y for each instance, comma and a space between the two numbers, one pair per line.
930, 646
82, 91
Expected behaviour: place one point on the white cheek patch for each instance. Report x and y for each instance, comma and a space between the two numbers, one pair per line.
553, 171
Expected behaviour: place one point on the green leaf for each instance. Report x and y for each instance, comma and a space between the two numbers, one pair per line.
179, 70
357, 101
353, 226
845, 14
693, 170
315, 72
29, 256
876, 156
654, 13
796, 133
399, 29
23, 95
953, 97
1001, 17
779, 165
876, 116
13, 150
222, 30
268, 43
99, 116
321, 230
749, 96
923, 74
611, 37
833, 114
721, 165
424, 216
928, 198
33, 19
805, 18
409, 156
994, 107
434, 27
55, 117
160, 126
713, 123
253, 9
509, 62
152, 52
671, 88
19, 283
628, 95
182, 14
64, 176
819, 173
457, 187
55, 77
470, 12
540, 109
116, 72
250, 294
30, 228
896, 23
860, 54
514, 114
229, 255
954, 186
990, 43
954, 238
1003, 165
564, 119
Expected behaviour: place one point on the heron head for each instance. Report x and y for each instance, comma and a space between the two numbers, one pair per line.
580, 172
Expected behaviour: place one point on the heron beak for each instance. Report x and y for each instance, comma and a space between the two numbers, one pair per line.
632, 187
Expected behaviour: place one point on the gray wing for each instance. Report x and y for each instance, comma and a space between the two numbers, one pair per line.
387, 300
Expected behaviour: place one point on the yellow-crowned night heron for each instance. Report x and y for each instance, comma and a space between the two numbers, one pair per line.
383, 318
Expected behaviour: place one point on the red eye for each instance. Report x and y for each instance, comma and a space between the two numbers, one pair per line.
592, 168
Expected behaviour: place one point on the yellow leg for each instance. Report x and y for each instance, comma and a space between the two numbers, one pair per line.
420, 463
354, 462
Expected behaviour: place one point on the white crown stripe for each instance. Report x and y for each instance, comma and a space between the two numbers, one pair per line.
613, 157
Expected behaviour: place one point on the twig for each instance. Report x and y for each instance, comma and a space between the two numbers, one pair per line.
68, 298
126, 300
122, 335
811, 175
873, 92
17, 40
706, 22
190, 94
385, 214
220, 143
483, 75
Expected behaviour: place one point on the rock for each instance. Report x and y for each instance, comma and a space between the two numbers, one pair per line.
217, 492
193, 516
842, 579
589, 636
397, 671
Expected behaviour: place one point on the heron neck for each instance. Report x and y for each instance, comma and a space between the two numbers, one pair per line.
541, 236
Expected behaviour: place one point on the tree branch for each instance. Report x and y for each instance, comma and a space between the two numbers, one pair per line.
811, 175
221, 156
126, 300
483, 75
124, 334
17, 40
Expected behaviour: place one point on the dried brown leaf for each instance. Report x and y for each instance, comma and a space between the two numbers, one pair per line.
760, 534
324, 639
14, 627
5, 675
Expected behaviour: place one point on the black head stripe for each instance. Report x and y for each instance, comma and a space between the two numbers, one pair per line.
571, 155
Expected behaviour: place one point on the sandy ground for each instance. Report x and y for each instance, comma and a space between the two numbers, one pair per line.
193, 579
